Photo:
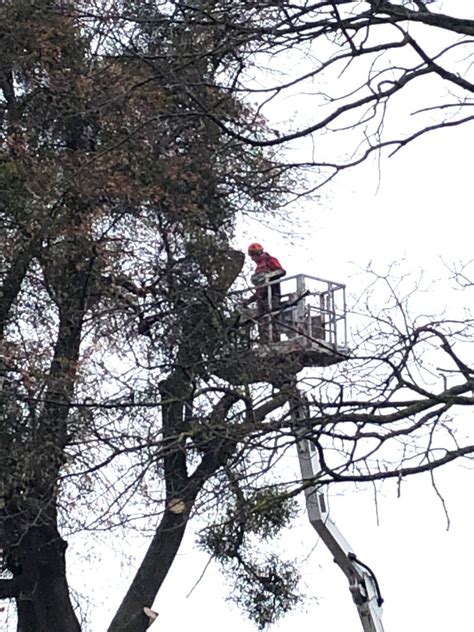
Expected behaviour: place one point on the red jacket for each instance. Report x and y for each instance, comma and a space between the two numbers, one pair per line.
268, 263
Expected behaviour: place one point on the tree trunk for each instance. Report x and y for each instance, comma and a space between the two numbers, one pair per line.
46, 607
151, 573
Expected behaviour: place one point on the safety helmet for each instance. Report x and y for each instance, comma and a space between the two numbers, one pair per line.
255, 249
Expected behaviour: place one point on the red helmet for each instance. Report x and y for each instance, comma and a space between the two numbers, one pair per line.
255, 249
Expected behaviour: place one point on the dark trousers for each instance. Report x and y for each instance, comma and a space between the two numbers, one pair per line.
268, 301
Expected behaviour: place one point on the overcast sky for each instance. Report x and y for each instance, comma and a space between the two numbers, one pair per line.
417, 209
420, 211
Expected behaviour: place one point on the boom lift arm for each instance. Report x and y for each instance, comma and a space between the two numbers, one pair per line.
362, 582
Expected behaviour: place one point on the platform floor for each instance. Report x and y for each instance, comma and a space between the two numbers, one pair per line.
277, 361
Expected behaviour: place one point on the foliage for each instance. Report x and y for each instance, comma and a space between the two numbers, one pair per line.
117, 206
264, 586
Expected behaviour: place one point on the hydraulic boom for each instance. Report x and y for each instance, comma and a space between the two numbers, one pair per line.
362, 582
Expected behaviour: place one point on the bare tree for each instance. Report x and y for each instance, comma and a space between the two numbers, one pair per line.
365, 77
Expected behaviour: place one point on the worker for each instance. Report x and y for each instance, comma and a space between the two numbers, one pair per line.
268, 293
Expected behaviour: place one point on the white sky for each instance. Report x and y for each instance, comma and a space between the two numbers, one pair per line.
423, 569
421, 213
419, 210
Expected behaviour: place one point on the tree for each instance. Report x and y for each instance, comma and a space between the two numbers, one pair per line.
111, 190
123, 171
366, 77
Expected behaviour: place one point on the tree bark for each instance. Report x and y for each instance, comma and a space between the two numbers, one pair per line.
35, 549
47, 606
151, 573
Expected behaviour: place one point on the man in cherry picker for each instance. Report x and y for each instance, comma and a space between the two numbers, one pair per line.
268, 269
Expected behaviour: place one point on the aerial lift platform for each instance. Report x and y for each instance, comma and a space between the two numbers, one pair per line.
306, 329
